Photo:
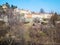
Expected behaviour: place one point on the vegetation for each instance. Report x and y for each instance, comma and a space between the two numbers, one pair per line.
13, 7
42, 10
54, 19
16, 32
36, 20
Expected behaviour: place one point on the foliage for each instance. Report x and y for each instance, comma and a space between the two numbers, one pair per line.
13, 7
18, 33
36, 20
41, 10
1, 10
7, 4
54, 18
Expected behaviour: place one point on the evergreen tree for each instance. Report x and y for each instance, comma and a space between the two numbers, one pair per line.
41, 10
13, 7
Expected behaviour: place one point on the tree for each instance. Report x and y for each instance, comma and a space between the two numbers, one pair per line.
1, 9
54, 18
7, 4
13, 7
41, 10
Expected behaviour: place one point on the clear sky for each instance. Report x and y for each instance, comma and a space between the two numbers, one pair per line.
35, 5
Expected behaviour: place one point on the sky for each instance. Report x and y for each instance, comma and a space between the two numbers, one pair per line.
35, 5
